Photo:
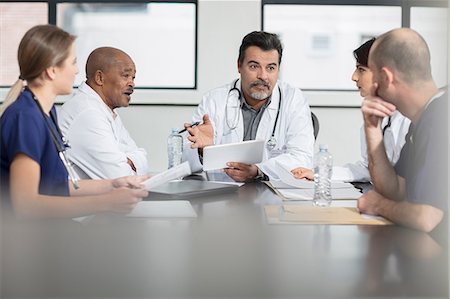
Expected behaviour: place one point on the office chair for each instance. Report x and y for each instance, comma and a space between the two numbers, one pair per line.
315, 122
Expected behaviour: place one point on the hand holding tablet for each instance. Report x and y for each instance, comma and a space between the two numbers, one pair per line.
217, 156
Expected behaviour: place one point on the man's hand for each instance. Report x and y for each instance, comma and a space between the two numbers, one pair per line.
418, 216
371, 203
374, 108
241, 172
303, 173
201, 135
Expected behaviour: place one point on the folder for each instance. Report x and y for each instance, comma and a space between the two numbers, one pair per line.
303, 214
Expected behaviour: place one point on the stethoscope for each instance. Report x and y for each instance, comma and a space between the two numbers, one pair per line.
61, 143
272, 142
387, 126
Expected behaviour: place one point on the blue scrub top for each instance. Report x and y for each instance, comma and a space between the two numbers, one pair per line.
23, 130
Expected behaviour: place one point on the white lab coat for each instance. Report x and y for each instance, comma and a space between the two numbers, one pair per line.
394, 139
293, 133
100, 143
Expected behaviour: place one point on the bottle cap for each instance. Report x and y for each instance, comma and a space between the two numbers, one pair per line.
323, 147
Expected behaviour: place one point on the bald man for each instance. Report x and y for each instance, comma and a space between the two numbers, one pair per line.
101, 147
414, 192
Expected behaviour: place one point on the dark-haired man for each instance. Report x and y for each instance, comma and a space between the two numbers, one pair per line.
255, 106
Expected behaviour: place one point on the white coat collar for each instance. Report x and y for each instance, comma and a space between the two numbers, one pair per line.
267, 122
85, 88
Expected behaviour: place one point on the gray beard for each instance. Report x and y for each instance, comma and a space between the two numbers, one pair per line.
260, 96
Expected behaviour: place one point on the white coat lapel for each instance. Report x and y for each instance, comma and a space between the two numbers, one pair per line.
240, 126
266, 124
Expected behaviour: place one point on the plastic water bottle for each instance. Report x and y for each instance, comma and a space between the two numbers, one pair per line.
323, 168
174, 148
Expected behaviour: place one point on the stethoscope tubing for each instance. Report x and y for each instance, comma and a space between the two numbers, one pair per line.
236, 118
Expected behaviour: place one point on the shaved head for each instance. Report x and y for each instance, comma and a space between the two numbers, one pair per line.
404, 51
103, 59
110, 72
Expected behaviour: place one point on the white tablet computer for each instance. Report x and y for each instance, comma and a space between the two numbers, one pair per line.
217, 156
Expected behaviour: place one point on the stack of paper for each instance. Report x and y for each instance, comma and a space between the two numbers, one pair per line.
171, 174
301, 214
308, 193
290, 188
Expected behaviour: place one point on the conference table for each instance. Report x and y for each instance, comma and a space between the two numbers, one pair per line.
228, 251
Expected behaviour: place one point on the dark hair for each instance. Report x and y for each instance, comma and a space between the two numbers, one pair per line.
362, 52
263, 40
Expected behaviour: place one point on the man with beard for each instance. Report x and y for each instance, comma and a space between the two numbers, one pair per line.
255, 107
101, 147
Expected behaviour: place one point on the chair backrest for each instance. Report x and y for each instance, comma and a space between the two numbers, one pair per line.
315, 122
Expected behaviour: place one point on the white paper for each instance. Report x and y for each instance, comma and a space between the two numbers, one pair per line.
171, 174
367, 216
164, 209
308, 194
288, 178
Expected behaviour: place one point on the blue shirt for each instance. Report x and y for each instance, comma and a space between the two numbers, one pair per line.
423, 160
24, 130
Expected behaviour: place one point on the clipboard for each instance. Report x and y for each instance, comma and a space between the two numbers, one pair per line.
217, 156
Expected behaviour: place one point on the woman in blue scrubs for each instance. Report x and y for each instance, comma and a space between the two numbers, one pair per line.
34, 171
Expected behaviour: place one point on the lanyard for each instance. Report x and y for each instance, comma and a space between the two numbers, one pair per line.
60, 143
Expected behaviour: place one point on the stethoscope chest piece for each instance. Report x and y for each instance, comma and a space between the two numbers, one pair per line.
271, 143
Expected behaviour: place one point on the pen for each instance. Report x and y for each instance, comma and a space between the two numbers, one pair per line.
191, 126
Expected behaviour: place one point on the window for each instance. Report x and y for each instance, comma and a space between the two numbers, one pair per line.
319, 39
16, 19
432, 24
159, 37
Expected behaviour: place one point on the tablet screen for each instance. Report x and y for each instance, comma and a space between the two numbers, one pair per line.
217, 156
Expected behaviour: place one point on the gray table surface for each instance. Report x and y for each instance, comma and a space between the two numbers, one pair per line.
228, 251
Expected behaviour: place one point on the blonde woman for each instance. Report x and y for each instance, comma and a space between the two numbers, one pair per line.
34, 170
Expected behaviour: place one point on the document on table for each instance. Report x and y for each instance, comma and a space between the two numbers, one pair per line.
163, 209
171, 174
287, 192
308, 194
303, 214
288, 179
